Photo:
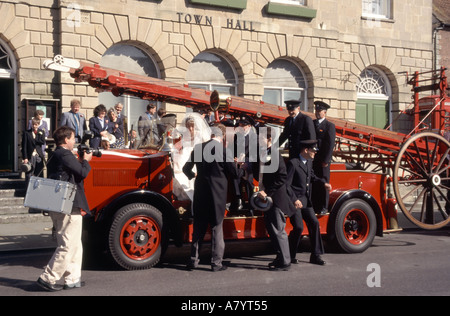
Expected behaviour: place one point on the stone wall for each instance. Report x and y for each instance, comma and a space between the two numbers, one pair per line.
332, 49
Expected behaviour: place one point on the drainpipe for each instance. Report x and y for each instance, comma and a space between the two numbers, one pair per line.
435, 32
435, 52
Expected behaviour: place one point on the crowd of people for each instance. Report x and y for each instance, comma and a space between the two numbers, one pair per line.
290, 187
297, 188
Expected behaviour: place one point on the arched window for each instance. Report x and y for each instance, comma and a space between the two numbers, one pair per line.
283, 81
374, 98
7, 69
212, 72
131, 59
372, 83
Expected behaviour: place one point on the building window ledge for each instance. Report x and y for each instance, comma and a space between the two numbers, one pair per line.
291, 10
231, 4
378, 18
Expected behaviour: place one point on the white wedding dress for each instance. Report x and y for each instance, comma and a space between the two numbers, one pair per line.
183, 188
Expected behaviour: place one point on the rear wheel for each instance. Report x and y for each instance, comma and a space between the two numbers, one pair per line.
354, 226
422, 181
136, 236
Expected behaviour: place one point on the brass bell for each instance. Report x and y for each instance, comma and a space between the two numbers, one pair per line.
219, 102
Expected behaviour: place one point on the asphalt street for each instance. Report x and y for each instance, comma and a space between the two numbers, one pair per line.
412, 262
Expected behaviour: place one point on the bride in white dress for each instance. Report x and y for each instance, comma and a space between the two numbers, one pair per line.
193, 130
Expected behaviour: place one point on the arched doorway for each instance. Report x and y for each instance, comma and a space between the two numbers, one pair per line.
8, 128
373, 107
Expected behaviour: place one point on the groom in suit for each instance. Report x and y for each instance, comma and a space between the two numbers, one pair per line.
75, 120
300, 176
210, 194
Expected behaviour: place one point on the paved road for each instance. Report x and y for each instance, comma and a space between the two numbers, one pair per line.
412, 262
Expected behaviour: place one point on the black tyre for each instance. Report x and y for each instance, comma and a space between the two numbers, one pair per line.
354, 226
136, 236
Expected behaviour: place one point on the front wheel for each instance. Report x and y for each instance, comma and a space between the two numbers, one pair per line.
135, 236
354, 226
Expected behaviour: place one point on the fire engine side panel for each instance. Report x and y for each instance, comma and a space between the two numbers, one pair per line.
342, 181
375, 184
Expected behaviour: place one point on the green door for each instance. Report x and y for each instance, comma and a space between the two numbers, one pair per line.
7, 126
372, 113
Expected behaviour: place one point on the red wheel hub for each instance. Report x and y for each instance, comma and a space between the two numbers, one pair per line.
140, 237
356, 226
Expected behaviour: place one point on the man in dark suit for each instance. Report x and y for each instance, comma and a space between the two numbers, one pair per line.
297, 127
210, 194
75, 120
272, 183
148, 127
300, 177
123, 120
326, 135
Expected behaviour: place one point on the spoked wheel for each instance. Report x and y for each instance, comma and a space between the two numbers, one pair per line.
421, 180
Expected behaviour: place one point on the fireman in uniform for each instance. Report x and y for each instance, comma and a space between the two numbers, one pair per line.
300, 176
326, 134
297, 127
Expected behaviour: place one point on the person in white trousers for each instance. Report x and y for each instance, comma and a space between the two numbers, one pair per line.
67, 258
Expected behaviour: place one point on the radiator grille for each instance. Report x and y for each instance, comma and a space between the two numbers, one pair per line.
115, 177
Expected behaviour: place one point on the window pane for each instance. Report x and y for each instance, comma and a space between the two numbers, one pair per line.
5, 63
207, 67
283, 73
376, 7
132, 60
283, 81
109, 100
371, 82
272, 96
292, 95
138, 108
224, 89
302, 2
199, 86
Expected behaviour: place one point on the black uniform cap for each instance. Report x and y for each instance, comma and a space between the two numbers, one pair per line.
320, 106
292, 104
245, 120
226, 122
309, 143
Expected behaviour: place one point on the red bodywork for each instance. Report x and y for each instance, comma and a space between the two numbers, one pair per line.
150, 170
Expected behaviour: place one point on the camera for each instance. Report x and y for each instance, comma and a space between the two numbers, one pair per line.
83, 148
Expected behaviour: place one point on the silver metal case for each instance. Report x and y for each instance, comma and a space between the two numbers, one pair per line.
50, 195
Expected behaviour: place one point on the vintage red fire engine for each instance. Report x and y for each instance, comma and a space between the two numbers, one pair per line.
130, 192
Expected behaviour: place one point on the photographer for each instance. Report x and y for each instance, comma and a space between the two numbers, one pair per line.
66, 261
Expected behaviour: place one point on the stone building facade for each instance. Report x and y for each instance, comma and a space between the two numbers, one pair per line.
351, 54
